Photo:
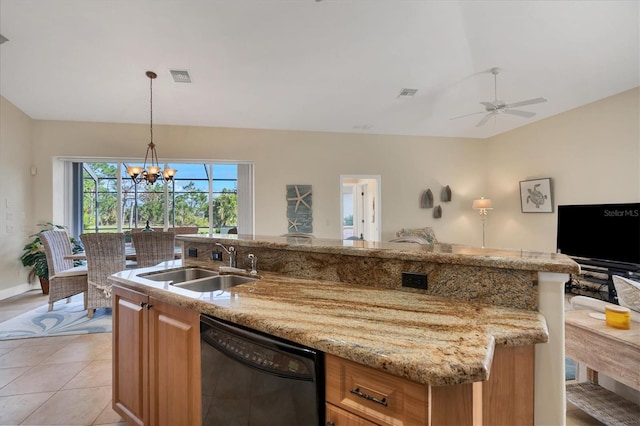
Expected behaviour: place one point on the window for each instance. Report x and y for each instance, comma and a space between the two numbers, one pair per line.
203, 195
99, 197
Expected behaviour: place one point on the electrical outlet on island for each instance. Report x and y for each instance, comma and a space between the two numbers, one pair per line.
216, 255
414, 280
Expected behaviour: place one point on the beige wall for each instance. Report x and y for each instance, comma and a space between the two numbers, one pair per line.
408, 166
592, 154
16, 196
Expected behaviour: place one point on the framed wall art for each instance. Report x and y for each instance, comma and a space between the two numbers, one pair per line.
299, 214
536, 196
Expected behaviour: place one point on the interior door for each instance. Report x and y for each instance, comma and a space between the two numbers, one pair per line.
348, 210
359, 207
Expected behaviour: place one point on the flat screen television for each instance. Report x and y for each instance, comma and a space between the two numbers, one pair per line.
601, 232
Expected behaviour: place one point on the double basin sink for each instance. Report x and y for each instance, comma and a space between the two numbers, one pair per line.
198, 279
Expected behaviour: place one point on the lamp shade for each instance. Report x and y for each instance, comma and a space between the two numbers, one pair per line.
482, 204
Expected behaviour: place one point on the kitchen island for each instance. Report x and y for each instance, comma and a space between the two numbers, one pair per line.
305, 295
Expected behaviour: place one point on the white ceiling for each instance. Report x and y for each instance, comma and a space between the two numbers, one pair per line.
332, 65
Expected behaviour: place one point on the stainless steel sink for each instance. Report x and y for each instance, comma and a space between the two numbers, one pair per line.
220, 282
180, 275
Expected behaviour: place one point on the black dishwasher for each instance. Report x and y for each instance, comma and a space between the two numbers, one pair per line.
250, 378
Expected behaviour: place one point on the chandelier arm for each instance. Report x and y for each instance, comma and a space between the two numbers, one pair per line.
146, 156
155, 155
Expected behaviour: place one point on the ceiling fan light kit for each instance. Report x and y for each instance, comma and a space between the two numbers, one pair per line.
495, 107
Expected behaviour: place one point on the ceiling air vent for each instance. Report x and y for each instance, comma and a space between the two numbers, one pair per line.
180, 76
407, 93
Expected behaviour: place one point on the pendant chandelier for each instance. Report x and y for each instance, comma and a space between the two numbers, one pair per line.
153, 172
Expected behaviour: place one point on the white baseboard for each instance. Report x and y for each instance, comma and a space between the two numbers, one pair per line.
5, 293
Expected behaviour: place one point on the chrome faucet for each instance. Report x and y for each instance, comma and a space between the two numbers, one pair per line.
231, 251
254, 260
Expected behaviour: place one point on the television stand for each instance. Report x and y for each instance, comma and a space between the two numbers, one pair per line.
602, 272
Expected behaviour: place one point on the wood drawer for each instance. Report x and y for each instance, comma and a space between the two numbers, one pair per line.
377, 396
339, 417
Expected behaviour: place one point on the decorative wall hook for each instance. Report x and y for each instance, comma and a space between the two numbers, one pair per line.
426, 201
445, 195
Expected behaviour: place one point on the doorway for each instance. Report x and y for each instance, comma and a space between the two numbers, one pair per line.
359, 207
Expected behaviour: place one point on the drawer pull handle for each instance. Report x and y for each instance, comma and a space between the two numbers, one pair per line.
361, 394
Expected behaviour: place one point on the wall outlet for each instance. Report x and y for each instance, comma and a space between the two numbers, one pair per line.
216, 255
193, 252
414, 280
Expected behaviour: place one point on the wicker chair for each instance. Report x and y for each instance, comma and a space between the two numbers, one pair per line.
105, 256
65, 280
153, 247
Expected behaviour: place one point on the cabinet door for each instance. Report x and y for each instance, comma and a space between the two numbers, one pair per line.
339, 417
130, 355
174, 365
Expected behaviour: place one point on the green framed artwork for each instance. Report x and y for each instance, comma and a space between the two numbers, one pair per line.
299, 212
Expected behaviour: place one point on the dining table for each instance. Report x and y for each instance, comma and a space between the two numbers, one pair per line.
129, 253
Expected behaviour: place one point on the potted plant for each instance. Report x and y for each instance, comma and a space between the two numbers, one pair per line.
34, 256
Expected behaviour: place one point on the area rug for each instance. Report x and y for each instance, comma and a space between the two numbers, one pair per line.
65, 319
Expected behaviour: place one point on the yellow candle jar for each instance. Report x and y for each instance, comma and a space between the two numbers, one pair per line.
618, 316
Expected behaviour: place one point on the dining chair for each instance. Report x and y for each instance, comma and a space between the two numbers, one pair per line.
65, 279
153, 247
105, 256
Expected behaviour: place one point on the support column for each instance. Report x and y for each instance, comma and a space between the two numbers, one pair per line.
550, 401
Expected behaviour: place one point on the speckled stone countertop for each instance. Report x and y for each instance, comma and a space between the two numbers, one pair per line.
427, 339
453, 254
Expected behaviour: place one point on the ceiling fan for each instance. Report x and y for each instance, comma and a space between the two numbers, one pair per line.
500, 107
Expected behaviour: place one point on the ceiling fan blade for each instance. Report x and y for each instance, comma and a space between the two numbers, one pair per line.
466, 115
527, 102
526, 114
485, 119
490, 106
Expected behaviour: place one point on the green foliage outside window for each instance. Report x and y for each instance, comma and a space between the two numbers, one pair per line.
225, 209
188, 206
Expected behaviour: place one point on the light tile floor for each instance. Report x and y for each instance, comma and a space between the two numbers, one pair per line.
62, 380
67, 380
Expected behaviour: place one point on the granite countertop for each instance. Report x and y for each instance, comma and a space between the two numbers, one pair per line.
454, 254
423, 338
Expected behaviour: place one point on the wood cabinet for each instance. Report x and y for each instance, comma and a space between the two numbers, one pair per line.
130, 354
156, 378
156, 361
357, 395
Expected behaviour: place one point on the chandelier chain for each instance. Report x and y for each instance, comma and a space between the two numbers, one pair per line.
151, 107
